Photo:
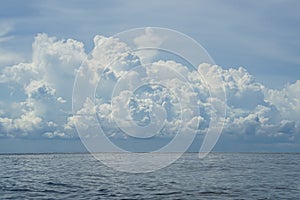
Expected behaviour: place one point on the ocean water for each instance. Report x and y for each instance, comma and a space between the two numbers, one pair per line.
218, 176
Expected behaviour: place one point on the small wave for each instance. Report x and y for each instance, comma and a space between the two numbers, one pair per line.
212, 193
168, 193
62, 185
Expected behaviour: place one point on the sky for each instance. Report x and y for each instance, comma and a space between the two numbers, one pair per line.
255, 46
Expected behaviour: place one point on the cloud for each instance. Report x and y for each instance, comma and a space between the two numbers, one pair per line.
287, 100
7, 57
5, 28
42, 107
149, 38
39, 89
26, 123
256, 112
42, 89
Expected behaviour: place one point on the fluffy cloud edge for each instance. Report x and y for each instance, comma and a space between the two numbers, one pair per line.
253, 110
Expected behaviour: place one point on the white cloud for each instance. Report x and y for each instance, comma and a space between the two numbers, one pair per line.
148, 39
20, 73
39, 89
24, 124
287, 101
253, 110
46, 84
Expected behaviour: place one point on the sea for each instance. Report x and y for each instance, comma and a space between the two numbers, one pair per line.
217, 176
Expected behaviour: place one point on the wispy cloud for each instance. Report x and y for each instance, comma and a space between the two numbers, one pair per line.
7, 57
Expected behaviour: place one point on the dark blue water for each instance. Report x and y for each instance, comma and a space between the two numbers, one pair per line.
218, 176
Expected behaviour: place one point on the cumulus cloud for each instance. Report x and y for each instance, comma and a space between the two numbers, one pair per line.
38, 99
256, 111
24, 124
149, 38
287, 101
42, 91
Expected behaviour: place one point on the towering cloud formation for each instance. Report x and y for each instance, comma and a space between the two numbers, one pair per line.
36, 96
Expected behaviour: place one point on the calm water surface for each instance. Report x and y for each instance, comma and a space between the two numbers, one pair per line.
218, 176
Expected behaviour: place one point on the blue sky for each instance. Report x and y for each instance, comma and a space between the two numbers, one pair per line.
256, 35
262, 37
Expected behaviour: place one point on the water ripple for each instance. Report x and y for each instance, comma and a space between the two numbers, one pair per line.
219, 176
